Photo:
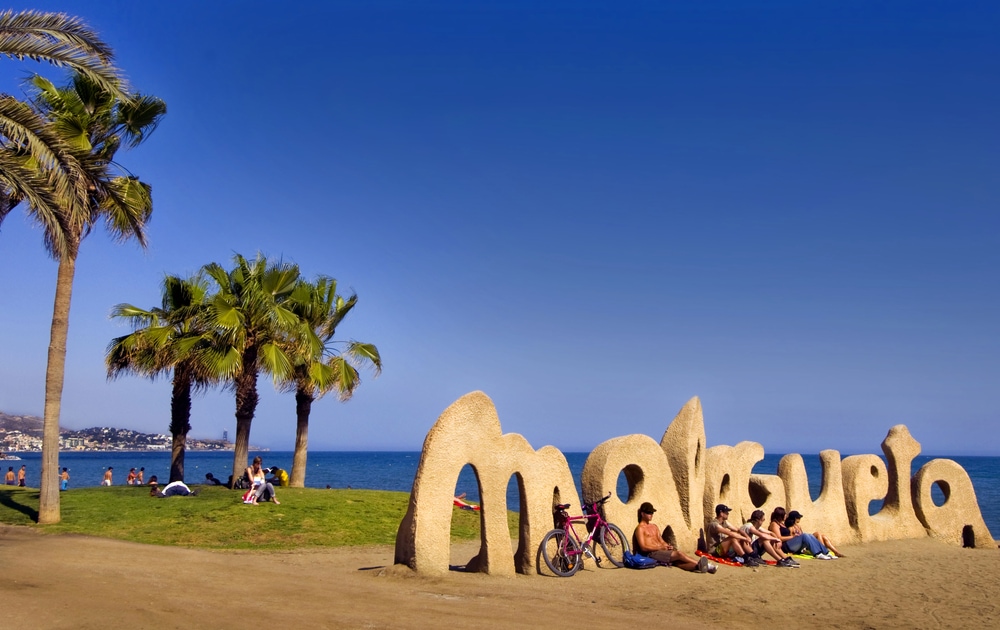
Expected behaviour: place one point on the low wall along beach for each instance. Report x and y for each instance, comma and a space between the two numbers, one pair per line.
680, 475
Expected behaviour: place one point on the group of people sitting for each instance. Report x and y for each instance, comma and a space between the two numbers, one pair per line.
745, 545
259, 488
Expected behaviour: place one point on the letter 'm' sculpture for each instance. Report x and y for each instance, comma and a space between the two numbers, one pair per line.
680, 475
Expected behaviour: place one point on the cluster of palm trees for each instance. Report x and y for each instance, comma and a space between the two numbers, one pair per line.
57, 157
222, 327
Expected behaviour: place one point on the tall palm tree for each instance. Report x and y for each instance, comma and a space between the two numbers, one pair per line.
250, 314
172, 339
94, 125
318, 367
63, 41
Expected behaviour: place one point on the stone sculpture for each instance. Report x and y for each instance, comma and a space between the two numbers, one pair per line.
681, 476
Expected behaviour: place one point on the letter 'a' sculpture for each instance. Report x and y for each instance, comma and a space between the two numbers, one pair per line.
681, 476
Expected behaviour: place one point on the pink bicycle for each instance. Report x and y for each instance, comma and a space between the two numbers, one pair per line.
564, 550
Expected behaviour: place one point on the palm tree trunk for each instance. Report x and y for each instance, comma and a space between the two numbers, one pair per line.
246, 405
55, 372
303, 405
180, 420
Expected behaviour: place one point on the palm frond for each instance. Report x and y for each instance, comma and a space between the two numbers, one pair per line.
63, 41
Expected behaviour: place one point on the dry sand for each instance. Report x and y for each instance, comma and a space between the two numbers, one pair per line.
61, 581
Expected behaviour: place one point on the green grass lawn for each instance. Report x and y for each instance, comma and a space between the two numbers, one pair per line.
217, 518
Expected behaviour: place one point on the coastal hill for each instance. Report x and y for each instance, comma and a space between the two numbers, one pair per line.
24, 433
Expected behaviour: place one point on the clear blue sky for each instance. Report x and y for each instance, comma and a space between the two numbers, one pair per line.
590, 211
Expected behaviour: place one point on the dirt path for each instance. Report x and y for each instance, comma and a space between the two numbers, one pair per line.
80, 582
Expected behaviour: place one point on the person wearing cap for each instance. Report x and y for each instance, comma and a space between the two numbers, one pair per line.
795, 541
648, 541
764, 541
726, 541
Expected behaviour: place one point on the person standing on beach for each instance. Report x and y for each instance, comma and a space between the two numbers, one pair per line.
107, 477
20, 476
64, 479
9, 479
139, 476
130, 479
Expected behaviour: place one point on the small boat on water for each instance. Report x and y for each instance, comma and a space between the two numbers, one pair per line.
9, 458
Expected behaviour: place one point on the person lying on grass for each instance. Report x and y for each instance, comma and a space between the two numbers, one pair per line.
172, 489
649, 542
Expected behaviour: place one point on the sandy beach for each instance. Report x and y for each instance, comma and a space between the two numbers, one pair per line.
65, 581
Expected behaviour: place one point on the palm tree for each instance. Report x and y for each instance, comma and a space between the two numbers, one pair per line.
172, 339
93, 124
25, 144
250, 314
318, 368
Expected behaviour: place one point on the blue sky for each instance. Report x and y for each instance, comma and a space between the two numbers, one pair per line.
590, 211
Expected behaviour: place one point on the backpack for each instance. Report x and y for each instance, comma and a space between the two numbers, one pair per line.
637, 561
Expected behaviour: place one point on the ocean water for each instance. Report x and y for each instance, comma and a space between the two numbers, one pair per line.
395, 471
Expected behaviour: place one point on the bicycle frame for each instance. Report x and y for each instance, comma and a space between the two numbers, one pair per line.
590, 514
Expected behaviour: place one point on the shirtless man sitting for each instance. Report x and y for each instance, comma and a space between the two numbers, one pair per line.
649, 542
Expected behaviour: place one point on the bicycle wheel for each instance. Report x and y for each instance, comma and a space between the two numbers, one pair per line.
561, 553
614, 544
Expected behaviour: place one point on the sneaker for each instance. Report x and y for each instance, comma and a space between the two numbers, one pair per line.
750, 561
738, 559
789, 563
792, 562
702, 565
823, 556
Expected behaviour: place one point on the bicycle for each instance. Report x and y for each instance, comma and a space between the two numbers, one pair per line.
564, 550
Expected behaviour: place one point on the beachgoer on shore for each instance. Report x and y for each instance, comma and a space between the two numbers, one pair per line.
10, 478
212, 479
130, 479
107, 477
64, 479
792, 522
764, 541
139, 476
649, 542
20, 476
781, 526
725, 541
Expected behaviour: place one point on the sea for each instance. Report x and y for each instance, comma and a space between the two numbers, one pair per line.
391, 470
